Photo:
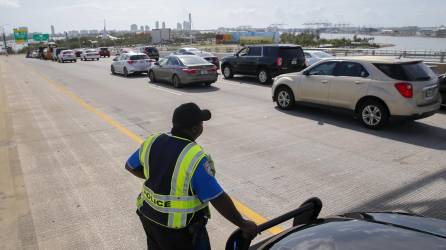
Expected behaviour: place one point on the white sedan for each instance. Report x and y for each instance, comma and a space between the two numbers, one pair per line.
89, 54
313, 56
131, 63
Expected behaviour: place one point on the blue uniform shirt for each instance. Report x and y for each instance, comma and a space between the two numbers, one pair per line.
204, 185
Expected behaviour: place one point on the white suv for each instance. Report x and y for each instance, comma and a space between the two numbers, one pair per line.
89, 54
375, 88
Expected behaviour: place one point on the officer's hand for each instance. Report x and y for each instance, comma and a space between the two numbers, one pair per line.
249, 228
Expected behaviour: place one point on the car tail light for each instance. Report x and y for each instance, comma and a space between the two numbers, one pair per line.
405, 89
279, 61
130, 62
190, 71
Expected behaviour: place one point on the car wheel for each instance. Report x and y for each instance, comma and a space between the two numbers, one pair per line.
374, 114
113, 70
264, 76
126, 73
75, 61
227, 72
176, 81
152, 76
285, 98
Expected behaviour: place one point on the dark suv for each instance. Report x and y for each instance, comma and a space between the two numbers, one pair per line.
104, 52
264, 61
152, 52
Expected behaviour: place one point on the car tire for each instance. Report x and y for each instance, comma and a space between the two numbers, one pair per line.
264, 76
75, 61
152, 76
227, 72
373, 114
285, 98
176, 81
113, 70
126, 73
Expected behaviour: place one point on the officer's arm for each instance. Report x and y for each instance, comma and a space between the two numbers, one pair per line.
226, 207
133, 165
136, 172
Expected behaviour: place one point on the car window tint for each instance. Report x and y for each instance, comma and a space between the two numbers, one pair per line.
268, 51
162, 61
323, 69
172, 61
417, 71
243, 52
255, 51
139, 57
193, 60
351, 69
291, 52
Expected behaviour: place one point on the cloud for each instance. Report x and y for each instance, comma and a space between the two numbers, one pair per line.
10, 3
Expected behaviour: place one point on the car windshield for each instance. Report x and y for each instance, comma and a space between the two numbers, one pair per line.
139, 57
193, 60
67, 52
416, 71
91, 50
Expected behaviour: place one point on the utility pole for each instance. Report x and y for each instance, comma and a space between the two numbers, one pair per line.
4, 36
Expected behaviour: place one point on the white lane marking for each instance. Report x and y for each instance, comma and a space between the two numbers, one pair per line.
237, 84
165, 90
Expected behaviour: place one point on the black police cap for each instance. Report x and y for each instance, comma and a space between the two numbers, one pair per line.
188, 115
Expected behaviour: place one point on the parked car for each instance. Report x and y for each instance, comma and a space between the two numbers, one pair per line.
67, 55
104, 52
120, 51
78, 52
89, 54
151, 52
374, 88
264, 61
356, 230
35, 54
131, 63
55, 53
183, 69
205, 55
313, 56
442, 82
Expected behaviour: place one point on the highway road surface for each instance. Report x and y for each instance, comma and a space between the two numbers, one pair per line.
67, 129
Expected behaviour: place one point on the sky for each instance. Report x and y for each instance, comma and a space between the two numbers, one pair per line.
65, 15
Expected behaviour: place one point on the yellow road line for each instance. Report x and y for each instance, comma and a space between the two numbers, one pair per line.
246, 211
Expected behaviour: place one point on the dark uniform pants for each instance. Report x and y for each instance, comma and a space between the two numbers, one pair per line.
193, 237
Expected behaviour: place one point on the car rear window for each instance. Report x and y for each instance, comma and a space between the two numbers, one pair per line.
193, 60
104, 49
139, 57
291, 52
151, 50
416, 71
91, 50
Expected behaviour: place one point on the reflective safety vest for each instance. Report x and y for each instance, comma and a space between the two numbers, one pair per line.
169, 163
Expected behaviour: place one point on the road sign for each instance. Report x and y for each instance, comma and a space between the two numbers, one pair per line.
41, 37
37, 37
20, 36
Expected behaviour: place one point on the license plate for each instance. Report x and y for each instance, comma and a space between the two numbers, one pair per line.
294, 62
203, 72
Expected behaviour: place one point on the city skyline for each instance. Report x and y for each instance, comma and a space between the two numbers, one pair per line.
39, 17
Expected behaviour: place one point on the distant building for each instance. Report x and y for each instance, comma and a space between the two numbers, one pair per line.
186, 25
441, 32
73, 33
163, 25
53, 32
134, 28
160, 36
157, 25
93, 32
179, 26
190, 21
83, 32
146, 28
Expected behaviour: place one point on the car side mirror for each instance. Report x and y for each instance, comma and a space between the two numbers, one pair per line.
115, 59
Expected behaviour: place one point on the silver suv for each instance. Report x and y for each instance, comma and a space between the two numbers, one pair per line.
375, 88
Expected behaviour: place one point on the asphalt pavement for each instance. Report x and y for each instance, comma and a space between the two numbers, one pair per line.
68, 128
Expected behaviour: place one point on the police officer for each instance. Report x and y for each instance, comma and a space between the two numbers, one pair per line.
179, 183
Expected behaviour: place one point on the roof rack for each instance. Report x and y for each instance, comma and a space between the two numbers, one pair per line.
305, 214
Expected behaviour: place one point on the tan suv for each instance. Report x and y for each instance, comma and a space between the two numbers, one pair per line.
375, 88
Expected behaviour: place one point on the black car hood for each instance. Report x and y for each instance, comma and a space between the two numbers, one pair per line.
355, 234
